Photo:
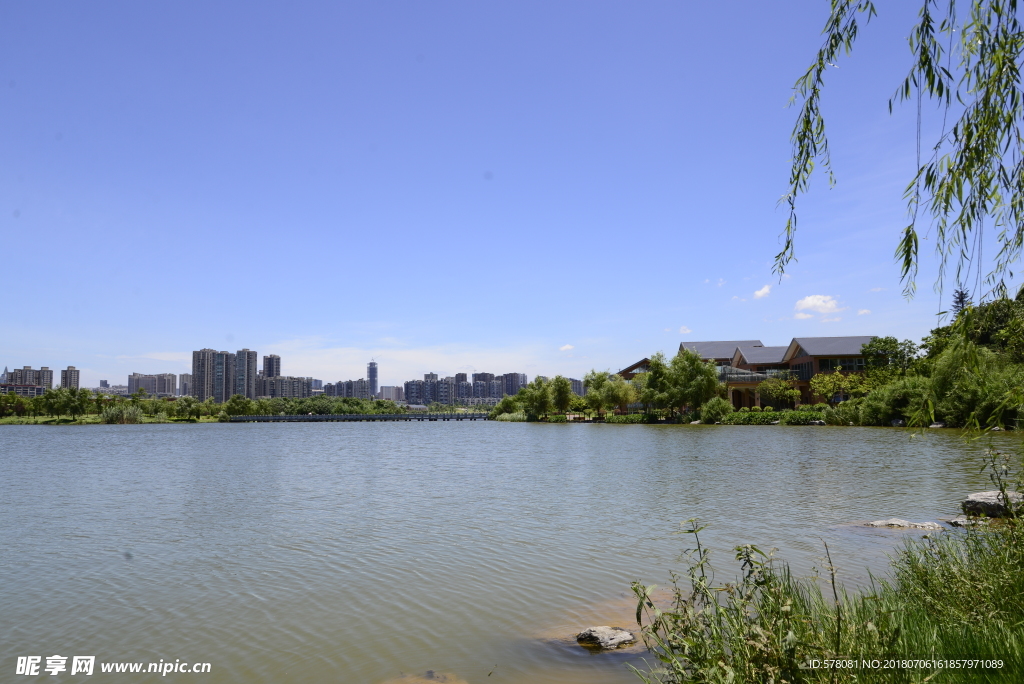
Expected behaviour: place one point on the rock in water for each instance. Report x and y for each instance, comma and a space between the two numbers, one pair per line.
990, 504
605, 637
898, 522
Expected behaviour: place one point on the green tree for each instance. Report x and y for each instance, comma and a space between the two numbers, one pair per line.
832, 386
188, 407
238, 405
886, 359
654, 393
594, 382
561, 393
779, 391
692, 380
536, 399
618, 392
966, 57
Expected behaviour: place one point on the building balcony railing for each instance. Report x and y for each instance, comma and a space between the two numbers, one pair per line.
732, 375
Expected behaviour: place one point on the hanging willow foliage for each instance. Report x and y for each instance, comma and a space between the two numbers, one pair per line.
973, 179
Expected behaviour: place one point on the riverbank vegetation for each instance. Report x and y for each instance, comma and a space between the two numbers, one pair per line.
82, 406
969, 373
949, 597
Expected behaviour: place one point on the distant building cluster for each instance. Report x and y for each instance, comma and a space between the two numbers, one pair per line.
31, 382
483, 388
219, 375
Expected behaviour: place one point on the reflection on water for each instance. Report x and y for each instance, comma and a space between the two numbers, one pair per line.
375, 552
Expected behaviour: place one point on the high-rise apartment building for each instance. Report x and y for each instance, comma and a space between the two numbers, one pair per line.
414, 392
104, 384
69, 378
202, 373
483, 377
28, 376
160, 384
461, 377
391, 393
371, 378
245, 373
285, 386
184, 385
271, 366
139, 381
223, 376
577, 387
513, 381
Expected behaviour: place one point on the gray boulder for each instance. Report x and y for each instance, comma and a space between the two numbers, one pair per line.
605, 637
905, 524
964, 521
990, 504
940, 424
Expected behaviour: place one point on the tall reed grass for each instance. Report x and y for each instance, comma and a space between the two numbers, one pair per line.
956, 597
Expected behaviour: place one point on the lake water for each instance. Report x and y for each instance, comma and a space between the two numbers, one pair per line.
369, 552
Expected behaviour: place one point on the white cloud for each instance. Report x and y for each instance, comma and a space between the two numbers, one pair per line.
721, 282
566, 347
683, 330
824, 304
763, 292
877, 289
831, 320
863, 312
802, 316
785, 276
706, 281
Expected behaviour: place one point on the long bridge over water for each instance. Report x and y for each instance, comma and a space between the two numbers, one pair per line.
351, 417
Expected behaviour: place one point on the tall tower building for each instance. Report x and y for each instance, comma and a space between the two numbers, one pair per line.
271, 366
245, 373
202, 373
371, 377
223, 376
184, 384
69, 377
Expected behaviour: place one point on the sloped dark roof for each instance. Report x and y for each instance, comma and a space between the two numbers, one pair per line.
721, 349
829, 346
639, 367
763, 354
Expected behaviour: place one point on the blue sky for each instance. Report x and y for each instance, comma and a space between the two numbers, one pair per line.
447, 186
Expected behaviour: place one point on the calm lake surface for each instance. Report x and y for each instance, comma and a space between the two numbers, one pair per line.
365, 552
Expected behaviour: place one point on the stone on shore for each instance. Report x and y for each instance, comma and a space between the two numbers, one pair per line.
964, 521
605, 637
989, 504
906, 524
940, 424
694, 422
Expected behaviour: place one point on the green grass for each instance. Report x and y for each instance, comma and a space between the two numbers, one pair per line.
955, 595
91, 419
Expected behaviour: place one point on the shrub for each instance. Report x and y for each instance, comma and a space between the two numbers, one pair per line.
632, 418
744, 409
514, 417
557, 418
715, 409
739, 418
799, 417
121, 414
223, 417
757, 409
906, 399
768, 409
